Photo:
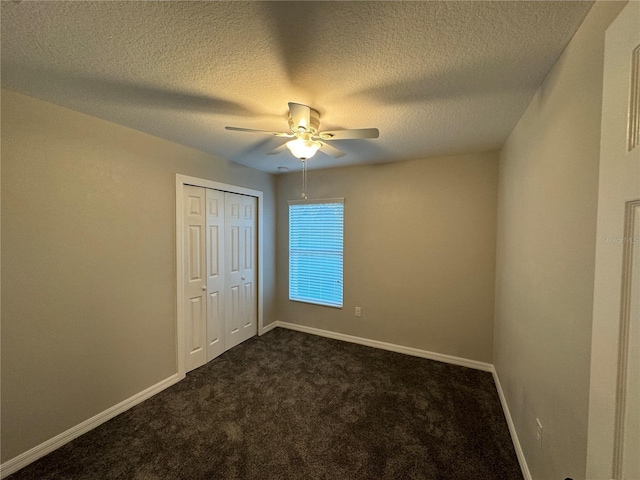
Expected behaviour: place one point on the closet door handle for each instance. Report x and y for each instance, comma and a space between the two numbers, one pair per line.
204, 288
242, 278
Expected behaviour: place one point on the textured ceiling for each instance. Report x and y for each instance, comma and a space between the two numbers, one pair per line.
435, 77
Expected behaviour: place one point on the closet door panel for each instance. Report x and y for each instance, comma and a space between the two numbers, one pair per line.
248, 270
215, 273
240, 225
233, 257
195, 284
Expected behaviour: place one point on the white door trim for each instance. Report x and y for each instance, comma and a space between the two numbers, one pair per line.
182, 180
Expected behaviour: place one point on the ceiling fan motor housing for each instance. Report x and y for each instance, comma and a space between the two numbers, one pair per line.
314, 122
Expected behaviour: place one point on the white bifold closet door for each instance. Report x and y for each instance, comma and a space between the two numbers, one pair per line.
220, 286
240, 271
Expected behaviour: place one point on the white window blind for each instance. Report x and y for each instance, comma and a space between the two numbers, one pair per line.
315, 251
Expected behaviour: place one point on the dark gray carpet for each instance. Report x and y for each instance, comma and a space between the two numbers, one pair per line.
294, 406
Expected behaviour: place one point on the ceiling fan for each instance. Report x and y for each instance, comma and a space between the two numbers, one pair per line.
304, 123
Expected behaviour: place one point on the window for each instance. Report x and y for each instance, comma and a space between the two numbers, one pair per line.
315, 251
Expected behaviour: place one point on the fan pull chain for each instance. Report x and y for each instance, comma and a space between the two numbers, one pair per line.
304, 179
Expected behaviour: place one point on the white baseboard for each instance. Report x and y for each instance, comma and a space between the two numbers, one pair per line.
512, 429
30, 456
268, 328
416, 352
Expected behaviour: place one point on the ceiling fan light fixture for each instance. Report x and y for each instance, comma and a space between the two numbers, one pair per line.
303, 149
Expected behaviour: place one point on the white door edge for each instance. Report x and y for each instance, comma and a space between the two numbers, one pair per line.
611, 429
181, 181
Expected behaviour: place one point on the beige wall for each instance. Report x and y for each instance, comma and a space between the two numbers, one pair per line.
88, 263
548, 192
419, 253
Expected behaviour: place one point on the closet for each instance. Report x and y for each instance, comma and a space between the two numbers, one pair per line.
220, 252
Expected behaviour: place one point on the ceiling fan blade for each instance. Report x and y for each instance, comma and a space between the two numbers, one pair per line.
301, 115
275, 134
331, 151
348, 134
278, 150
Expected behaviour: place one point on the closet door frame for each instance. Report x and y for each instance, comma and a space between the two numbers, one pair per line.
181, 181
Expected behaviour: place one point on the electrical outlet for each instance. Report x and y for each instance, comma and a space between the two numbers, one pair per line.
358, 311
539, 432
